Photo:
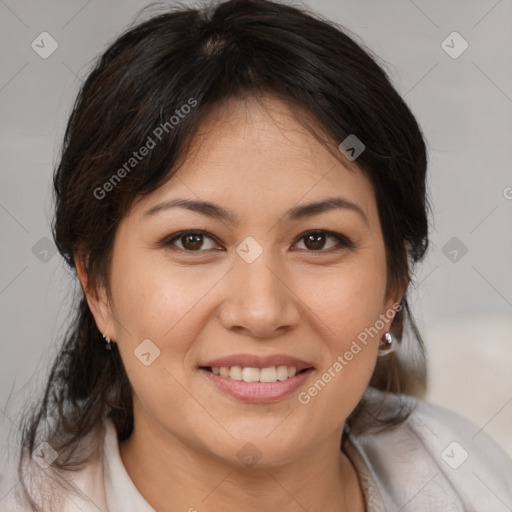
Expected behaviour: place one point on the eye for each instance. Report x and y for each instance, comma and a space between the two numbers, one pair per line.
191, 241
314, 241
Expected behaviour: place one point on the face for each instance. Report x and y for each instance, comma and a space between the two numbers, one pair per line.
271, 285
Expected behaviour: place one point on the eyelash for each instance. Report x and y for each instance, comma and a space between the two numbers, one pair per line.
343, 240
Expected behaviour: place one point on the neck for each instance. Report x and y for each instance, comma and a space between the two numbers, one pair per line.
172, 476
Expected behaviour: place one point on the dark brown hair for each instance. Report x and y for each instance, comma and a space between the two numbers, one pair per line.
200, 57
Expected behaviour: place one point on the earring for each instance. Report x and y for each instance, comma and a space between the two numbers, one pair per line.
107, 344
386, 345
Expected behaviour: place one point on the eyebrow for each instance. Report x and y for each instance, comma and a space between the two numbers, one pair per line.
298, 212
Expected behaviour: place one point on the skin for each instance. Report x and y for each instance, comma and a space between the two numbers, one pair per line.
254, 158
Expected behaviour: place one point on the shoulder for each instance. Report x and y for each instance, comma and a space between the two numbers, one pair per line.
434, 457
80, 489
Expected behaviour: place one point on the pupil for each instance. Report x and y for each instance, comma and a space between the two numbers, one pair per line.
196, 241
317, 239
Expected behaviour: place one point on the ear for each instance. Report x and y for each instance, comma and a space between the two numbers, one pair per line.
393, 299
394, 296
96, 299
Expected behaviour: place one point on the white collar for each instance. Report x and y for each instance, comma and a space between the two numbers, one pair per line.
120, 491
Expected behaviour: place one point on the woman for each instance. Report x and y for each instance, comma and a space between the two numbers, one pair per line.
242, 195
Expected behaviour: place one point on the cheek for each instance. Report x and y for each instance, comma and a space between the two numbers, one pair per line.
152, 298
348, 300
348, 303
155, 301
347, 310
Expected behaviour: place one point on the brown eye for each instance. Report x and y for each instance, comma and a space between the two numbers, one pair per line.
316, 240
191, 241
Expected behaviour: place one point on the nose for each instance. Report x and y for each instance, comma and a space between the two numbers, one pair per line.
259, 298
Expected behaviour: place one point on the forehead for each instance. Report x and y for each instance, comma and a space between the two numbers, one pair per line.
255, 156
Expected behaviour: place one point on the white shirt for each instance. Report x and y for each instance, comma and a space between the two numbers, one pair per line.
435, 461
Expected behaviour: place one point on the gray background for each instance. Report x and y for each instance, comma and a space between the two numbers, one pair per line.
464, 105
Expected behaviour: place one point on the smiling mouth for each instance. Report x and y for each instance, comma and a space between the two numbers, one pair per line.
248, 374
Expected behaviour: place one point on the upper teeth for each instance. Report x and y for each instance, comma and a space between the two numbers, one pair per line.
247, 374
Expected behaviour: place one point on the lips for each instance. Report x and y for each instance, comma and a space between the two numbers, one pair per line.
256, 378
